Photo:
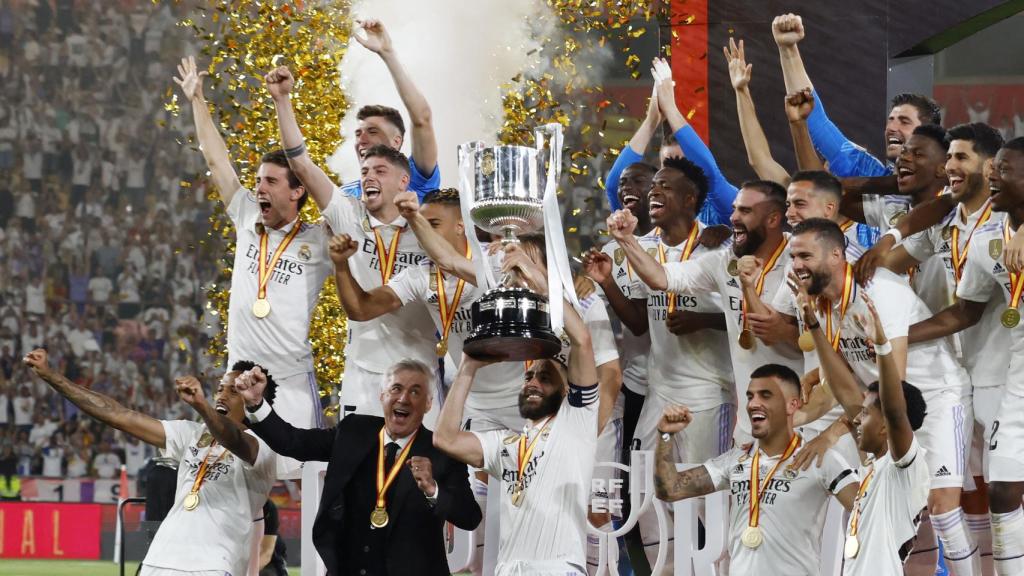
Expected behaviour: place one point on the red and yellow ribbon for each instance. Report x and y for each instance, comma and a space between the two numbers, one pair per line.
526, 452
855, 513
1016, 280
960, 255
757, 486
759, 286
384, 482
844, 303
386, 257
688, 248
448, 311
263, 271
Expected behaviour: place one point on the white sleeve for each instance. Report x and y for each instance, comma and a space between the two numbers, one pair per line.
266, 459
491, 443
719, 466
835, 473
693, 276
977, 282
912, 477
874, 212
411, 284
921, 246
601, 335
243, 209
783, 301
894, 301
177, 436
342, 213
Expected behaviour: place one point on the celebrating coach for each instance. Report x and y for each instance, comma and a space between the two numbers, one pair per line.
388, 491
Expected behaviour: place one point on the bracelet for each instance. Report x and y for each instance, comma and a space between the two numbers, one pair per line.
883, 349
297, 151
897, 236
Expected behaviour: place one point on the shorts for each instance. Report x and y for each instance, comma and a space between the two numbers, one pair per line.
147, 570
943, 436
609, 450
984, 406
361, 394
707, 436
1006, 440
506, 418
297, 402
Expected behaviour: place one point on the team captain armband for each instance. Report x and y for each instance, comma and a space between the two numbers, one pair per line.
580, 396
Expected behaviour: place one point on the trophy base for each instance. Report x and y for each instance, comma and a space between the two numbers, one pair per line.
511, 324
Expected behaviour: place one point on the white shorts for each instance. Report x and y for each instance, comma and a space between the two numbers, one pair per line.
360, 394
944, 437
477, 420
1006, 440
708, 435
147, 570
609, 449
984, 406
297, 402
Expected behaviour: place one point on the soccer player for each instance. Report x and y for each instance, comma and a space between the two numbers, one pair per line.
820, 267
818, 194
984, 273
545, 471
757, 221
378, 125
279, 267
778, 510
224, 474
687, 326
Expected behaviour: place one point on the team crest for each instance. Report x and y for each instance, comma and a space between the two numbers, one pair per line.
619, 256
995, 248
305, 253
653, 252
789, 473
947, 232
734, 267
896, 217
366, 225
487, 164
205, 440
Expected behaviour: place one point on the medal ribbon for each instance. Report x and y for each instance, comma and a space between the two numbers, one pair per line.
960, 255
757, 487
691, 245
383, 483
526, 452
387, 257
759, 286
201, 473
847, 225
265, 267
1016, 280
848, 291
855, 514
447, 311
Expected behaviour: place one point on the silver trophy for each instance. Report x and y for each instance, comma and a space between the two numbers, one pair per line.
504, 187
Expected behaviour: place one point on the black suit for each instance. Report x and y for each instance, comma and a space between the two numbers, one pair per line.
413, 540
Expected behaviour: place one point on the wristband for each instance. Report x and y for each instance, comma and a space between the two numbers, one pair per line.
883, 349
895, 233
297, 151
253, 409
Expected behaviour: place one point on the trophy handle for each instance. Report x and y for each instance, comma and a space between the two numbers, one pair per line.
467, 180
552, 135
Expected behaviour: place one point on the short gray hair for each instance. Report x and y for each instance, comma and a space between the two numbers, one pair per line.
409, 365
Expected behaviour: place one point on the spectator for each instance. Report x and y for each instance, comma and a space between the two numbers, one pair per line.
53, 459
24, 407
105, 463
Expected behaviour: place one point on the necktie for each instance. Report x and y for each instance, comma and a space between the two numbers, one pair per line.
390, 451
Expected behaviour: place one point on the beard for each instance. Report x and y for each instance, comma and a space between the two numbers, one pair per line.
819, 281
754, 240
548, 405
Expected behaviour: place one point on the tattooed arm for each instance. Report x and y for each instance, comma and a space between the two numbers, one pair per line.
99, 406
670, 484
225, 430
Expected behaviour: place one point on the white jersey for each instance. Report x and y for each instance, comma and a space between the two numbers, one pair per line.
709, 273
854, 249
792, 514
550, 527
408, 332
633, 349
889, 513
280, 341
931, 365
602, 339
985, 350
216, 535
884, 212
496, 385
983, 273
704, 380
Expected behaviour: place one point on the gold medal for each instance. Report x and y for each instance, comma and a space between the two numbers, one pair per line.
192, 501
1010, 317
734, 267
442, 347
851, 547
517, 496
261, 308
746, 339
947, 233
806, 341
752, 537
379, 517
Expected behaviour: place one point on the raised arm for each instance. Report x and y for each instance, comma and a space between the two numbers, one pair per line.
299, 443
440, 251
759, 155
634, 151
449, 437
670, 484
210, 141
224, 430
280, 83
631, 311
621, 226
424, 144
359, 304
99, 406
799, 106
890, 386
765, 322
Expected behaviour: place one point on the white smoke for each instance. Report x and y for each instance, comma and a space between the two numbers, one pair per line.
458, 53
